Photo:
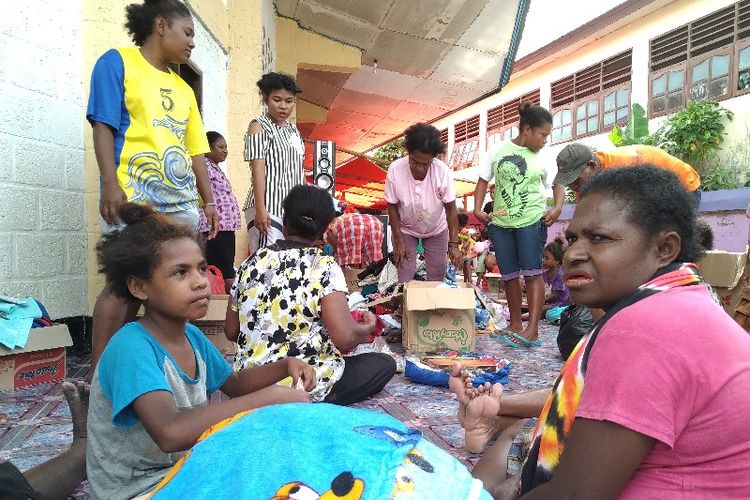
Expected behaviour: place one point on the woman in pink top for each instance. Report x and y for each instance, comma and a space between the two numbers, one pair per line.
655, 401
220, 249
422, 205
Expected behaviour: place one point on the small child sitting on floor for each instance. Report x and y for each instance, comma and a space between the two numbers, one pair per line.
149, 393
556, 297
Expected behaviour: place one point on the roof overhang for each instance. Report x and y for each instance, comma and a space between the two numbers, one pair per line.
420, 59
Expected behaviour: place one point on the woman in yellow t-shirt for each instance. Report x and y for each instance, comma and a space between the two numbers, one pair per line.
148, 135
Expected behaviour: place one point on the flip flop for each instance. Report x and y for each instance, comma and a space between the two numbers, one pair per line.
519, 339
500, 333
507, 341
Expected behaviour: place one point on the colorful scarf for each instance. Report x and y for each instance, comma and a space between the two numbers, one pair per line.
559, 411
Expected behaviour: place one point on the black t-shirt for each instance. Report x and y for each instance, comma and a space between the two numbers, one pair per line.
13, 485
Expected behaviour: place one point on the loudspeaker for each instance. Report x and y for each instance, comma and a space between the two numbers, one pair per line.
324, 166
387, 245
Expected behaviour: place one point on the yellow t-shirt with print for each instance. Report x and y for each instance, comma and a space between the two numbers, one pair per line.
157, 128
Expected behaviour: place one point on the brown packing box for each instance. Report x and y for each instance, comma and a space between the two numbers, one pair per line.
212, 324
437, 319
41, 360
727, 273
493, 282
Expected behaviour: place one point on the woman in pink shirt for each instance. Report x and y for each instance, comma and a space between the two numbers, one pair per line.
220, 249
655, 401
422, 205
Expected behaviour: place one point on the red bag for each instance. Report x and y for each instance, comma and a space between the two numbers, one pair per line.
216, 279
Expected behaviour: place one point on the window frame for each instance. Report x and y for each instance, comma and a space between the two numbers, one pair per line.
584, 101
662, 72
707, 56
565, 107
739, 46
732, 46
621, 122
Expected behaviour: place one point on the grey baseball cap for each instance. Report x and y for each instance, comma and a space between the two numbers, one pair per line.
570, 162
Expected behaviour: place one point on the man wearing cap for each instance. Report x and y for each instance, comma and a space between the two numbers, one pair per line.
576, 163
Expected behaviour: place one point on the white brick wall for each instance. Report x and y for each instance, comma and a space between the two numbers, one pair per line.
42, 221
211, 59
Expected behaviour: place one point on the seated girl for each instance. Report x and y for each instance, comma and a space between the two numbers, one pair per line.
149, 393
655, 401
556, 296
289, 301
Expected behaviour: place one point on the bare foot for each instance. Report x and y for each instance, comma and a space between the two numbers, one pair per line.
480, 418
515, 328
529, 334
460, 384
77, 396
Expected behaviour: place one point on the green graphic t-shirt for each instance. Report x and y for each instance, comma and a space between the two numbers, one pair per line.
518, 174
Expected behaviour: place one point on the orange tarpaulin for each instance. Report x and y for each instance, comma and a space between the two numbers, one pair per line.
362, 184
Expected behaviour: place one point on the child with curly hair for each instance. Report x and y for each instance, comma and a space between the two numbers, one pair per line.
149, 394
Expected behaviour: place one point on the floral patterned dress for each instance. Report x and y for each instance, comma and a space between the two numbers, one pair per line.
277, 293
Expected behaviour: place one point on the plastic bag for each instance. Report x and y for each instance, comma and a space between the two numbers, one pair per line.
216, 279
575, 322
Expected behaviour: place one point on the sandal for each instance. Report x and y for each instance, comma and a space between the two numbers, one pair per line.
520, 339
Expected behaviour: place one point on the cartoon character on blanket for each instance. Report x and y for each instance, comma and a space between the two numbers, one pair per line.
324, 452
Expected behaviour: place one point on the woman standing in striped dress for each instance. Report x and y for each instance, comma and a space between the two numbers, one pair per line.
274, 149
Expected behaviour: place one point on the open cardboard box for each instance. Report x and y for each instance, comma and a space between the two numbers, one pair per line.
727, 273
41, 360
493, 282
212, 324
437, 319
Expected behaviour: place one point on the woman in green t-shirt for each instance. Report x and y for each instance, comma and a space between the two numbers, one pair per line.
518, 223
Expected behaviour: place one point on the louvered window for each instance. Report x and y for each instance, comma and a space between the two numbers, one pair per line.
590, 100
502, 120
465, 151
704, 59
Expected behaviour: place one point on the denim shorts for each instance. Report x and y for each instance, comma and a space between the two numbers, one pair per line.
519, 250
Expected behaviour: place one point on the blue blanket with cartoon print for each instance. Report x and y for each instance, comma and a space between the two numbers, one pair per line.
316, 451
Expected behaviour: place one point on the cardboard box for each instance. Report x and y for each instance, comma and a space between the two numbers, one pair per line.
41, 360
727, 273
437, 319
493, 282
212, 324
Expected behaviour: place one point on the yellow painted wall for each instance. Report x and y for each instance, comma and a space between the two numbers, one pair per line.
215, 15
301, 49
296, 47
245, 68
102, 30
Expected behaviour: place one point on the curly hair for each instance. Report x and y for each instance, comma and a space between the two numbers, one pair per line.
533, 116
135, 250
423, 138
308, 210
277, 81
140, 17
654, 200
704, 233
556, 248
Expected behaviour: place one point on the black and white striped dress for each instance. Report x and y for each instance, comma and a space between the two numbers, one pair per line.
283, 151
